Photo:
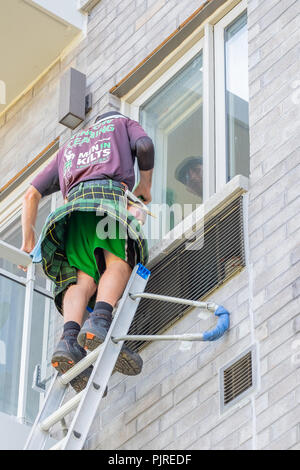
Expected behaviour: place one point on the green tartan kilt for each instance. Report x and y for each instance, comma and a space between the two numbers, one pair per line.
107, 200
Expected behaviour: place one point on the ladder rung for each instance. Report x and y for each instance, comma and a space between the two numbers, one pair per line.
80, 366
193, 303
185, 337
61, 412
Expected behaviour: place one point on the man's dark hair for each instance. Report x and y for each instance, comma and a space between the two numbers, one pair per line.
187, 164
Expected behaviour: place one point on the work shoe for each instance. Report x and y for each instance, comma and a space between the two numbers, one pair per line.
93, 333
67, 354
80, 382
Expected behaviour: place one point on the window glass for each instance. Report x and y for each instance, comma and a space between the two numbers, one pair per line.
12, 297
13, 236
41, 348
173, 119
237, 98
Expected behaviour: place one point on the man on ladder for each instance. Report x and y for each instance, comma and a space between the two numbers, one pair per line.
89, 264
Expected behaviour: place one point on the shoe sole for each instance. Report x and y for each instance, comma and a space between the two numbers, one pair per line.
62, 363
128, 362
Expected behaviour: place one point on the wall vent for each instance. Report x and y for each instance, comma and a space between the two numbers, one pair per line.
192, 274
238, 379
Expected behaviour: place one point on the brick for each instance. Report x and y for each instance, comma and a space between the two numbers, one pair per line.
228, 443
267, 276
266, 213
238, 419
276, 411
155, 411
151, 380
162, 441
286, 441
263, 439
278, 237
275, 339
191, 436
198, 416
277, 303
286, 422
179, 410
284, 280
149, 13
193, 383
283, 352
143, 404
118, 407
201, 444
284, 387
286, 249
105, 438
142, 438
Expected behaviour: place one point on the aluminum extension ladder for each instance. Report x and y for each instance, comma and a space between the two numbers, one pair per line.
104, 359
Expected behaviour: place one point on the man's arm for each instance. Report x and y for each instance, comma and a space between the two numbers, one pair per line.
46, 182
145, 156
29, 213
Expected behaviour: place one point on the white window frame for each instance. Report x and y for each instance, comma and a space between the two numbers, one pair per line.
214, 117
10, 210
220, 92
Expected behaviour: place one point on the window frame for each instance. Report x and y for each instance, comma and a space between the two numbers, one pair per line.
220, 92
212, 44
10, 210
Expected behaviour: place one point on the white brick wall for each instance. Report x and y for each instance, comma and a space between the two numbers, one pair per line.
274, 228
174, 404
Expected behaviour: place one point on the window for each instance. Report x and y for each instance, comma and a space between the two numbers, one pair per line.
193, 270
17, 397
237, 98
173, 118
197, 115
232, 96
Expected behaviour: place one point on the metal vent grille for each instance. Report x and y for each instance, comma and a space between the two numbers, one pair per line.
192, 274
238, 378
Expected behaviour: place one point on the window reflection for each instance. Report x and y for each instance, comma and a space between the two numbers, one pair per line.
173, 119
12, 297
237, 98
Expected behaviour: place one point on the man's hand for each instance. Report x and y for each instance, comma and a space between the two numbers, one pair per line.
29, 213
144, 192
27, 246
143, 189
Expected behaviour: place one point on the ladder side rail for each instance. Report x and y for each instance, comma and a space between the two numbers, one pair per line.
104, 365
54, 397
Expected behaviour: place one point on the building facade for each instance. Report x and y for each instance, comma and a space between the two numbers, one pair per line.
215, 82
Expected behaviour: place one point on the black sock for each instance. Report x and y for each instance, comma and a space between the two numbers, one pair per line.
104, 308
71, 326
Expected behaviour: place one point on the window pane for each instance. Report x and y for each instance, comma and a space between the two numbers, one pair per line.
173, 119
12, 297
41, 348
237, 98
13, 236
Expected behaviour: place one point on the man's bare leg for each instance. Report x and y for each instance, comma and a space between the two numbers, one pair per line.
114, 279
110, 289
68, 352
77, 297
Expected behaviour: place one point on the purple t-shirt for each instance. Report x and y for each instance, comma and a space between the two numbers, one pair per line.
106, 150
